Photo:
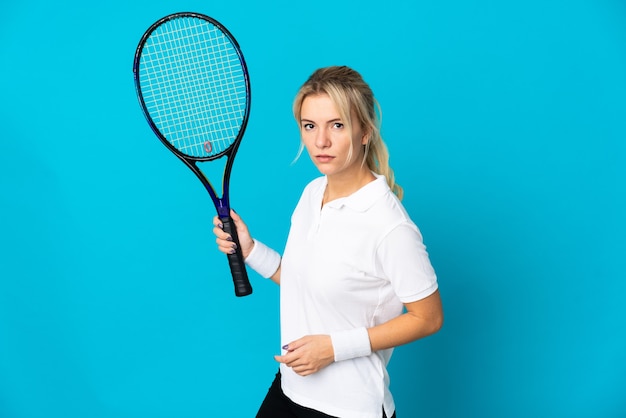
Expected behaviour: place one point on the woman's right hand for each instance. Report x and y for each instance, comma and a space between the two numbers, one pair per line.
224, 241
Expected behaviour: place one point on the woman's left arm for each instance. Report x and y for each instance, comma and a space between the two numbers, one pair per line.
421, 319
312, 353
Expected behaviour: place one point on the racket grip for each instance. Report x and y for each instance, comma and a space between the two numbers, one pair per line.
237, 265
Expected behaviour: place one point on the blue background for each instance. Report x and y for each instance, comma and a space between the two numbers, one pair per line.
506, 126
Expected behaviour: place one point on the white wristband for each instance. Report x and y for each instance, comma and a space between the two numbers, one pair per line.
263, 260
351, 344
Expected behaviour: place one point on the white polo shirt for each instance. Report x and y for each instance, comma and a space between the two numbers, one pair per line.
352, 263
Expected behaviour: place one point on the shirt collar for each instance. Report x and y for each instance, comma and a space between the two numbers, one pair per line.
362, 199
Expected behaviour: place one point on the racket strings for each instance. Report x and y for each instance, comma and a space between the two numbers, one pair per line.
193, 85
190, 77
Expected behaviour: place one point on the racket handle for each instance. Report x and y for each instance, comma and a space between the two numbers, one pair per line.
237, 265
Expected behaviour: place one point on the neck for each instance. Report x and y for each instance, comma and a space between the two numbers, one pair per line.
338, 187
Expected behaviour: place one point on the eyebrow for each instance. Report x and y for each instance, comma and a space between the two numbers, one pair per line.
329, 121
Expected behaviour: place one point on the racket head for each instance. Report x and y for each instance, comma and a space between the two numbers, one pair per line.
193, 86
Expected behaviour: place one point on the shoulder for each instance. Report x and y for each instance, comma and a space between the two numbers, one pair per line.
388, 216
315, 185
387, 208
311, 194
313, 190
380, 209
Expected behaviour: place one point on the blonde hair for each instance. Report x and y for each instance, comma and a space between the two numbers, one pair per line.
349, 92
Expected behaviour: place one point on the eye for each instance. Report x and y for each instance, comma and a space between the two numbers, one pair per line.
307, 126
338, 125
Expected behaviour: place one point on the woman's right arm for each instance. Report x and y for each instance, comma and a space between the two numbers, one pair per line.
226, 245
276, 276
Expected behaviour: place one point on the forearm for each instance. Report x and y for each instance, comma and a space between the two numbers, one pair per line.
422, 319
276, 276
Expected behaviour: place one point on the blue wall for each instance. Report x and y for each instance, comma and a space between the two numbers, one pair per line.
507, 128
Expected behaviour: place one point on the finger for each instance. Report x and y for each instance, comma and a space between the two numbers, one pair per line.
225, 245
245, 240
239, 223
294, 345
302, 371
289, 359
220, 233
235, 217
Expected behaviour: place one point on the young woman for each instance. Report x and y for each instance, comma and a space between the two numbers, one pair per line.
355, 279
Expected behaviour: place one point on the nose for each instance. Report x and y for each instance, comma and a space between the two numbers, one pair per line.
322, 139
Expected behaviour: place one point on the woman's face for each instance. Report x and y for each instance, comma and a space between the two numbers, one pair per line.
328, 140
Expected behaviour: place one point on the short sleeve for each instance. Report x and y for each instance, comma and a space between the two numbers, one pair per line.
402, 258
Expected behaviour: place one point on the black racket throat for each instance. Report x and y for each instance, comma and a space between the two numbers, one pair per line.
221, 199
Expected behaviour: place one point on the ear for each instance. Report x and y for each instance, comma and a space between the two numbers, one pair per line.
365, 139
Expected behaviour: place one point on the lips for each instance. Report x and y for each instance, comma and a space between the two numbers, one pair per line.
323, 158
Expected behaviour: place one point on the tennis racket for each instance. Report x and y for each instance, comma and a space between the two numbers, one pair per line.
193, 86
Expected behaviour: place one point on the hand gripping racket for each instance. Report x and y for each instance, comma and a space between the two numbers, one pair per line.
193, 86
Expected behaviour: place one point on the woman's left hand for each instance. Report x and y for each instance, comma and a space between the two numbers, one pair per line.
309, 354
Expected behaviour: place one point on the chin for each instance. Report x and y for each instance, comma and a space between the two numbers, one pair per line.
325, 170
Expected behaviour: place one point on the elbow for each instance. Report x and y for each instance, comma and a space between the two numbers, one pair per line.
429, 325
429, 315
436, 322
436, 314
